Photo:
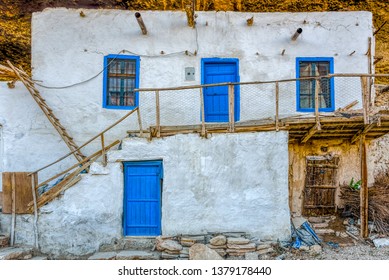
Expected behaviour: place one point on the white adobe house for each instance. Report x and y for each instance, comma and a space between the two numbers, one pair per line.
181, 184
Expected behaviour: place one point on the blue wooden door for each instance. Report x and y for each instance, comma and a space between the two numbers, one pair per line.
142, 198
219, 70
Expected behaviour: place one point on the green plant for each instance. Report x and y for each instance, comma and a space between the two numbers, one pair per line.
355, 185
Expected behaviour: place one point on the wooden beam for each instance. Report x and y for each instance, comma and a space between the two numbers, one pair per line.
317, 91
277, 106
362, 132
309, 134
157, 114
13, 219
231, 108
377, 59
364, 196
139, 123
203, 129
34, 181
365, 99
141, 23
103, 149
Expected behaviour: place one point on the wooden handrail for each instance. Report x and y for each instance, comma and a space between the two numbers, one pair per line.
87, 142
350, 75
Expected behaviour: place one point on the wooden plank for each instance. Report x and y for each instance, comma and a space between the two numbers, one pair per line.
364, 196
231, 108
34, 195
277, 106
362, 131
157, 114
23, 193
309, 134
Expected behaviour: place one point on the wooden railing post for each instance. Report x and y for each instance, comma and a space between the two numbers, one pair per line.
317, 104
157, 114
231, 108
34, 195
203, 129
13, 208
103, 149
140, 123
277, 107
365, 100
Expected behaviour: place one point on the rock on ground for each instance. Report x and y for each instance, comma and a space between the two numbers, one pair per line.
202, 252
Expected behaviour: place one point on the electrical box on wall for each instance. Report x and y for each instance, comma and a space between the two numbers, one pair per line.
189, 73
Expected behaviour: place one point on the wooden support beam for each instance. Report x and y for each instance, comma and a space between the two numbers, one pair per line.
365, 99
13, 219
34, 181
157, 114
377, 59
317, 91
203, 128
362, 132
141, 23
139, 123
277, 106
364, 195
231, 108
379, 28
309, 134
103, 150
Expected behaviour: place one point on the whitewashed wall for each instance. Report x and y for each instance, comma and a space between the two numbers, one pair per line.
224, 183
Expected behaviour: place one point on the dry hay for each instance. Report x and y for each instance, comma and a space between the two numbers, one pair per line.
378, 202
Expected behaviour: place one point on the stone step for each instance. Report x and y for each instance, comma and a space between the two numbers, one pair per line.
16, 253
125, 255
129, 243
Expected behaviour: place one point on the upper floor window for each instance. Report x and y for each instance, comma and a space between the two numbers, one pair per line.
311, 67
121, 77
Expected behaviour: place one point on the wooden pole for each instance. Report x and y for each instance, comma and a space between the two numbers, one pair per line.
231, 108
103, 150
33, 183
317, 91
364, 100
203, 130
277, 106
370, 80
141, 23
364, 195
157, 114
139, 123
13, 220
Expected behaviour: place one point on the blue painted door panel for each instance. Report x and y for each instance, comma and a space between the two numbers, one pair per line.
142, 198
216, 98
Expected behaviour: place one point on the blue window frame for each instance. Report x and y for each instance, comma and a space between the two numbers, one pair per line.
311, 67
121, 77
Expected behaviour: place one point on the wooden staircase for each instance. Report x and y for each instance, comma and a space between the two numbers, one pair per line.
29, 84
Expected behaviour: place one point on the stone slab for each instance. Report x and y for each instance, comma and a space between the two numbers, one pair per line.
135, 255
15, 253
238, 241
103, 256
202, 252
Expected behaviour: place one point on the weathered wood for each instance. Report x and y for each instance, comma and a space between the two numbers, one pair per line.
34, 195
317, 91
61, 186
13, 200
364, 205
139, 122
157, 114
348, 107
103, 153
370, 70
277, 106
203, 129
362, 131
22, 183
113, 144
365, 99
309, 134
231, 108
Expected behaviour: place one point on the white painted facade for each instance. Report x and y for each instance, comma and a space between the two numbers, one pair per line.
231, 182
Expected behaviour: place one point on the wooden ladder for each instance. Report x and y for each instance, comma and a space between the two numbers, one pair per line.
29, 84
